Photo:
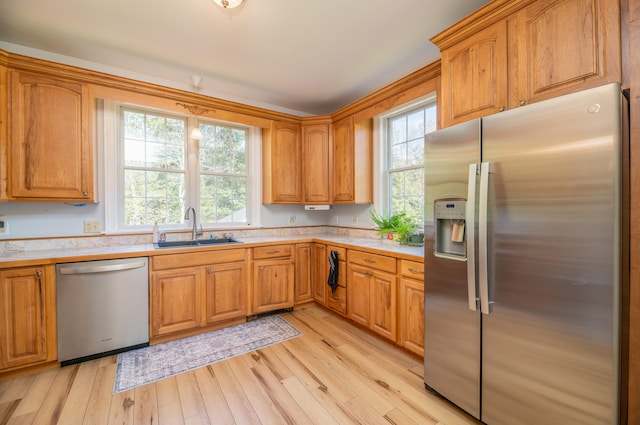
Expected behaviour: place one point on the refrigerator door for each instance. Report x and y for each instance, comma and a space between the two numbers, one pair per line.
452, 329
549, 342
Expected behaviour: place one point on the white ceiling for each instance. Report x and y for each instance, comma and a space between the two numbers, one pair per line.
306, 57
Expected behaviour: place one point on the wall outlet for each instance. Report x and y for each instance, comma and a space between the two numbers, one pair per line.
354, 220
292, 219
91, 226
3, 226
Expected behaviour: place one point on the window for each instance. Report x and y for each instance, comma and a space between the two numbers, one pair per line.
404, 135
160, 171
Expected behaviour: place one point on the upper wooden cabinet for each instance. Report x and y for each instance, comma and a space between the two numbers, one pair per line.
511, 53
50, 154
474, 75
351, 147
281, 164
315, 173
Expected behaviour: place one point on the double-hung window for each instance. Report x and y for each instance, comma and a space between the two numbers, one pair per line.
160, 171
404, 133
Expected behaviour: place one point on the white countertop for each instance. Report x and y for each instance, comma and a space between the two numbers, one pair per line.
68, 254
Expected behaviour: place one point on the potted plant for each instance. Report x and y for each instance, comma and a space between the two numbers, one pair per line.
396, 226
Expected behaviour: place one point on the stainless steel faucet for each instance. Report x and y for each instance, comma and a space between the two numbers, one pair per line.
195, 233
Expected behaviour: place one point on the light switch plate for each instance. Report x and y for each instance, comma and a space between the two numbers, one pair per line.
3, 226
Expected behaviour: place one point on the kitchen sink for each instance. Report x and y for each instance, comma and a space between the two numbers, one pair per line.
199, 242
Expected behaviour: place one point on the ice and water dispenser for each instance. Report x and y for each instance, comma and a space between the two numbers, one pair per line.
450, 217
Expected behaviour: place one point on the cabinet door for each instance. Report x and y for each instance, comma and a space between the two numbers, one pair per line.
411, 315
23, 317
302, 288
282, 160
358, 294
320, 261
315, 154
272, 285
342, 181
175, 300
474, 76
51, 153
383, 304
225, 292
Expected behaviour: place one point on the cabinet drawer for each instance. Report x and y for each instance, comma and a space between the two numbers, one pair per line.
412, 269
342, 252
273, 251
176, 261
337, 300
374, 261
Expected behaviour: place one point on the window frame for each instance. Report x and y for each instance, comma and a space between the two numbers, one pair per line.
113, 165
382, 158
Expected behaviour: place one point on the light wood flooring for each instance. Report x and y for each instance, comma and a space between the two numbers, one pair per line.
335, 373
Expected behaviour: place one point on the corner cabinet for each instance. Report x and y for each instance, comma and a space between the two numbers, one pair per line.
533, 50
352, 162
50, 153
282, 164
27, 317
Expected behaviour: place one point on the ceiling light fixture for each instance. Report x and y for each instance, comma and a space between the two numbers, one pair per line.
228, 4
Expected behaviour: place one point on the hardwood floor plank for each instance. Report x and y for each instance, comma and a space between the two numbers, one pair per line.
269, 411
286, 405
56, 397
193, 409
18, 388
122, 408
302, 395
397, 417
75, 407
366, 412
34, 396
267, 357
146, 406
7, 409
99, 404
169, 407
237, 400
213, 397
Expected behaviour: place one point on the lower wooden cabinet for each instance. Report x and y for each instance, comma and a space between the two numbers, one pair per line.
303, 286
225, 292
371, 295
273, 278
319, 284
27, 317
411, 306
192, 291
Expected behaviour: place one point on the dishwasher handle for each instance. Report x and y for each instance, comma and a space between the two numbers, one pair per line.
78, 269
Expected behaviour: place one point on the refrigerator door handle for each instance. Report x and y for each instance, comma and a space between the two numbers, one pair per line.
483, 260
471, 237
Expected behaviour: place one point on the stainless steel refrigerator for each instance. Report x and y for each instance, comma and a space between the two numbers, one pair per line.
525, 260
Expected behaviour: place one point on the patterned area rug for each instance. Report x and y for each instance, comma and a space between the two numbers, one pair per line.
153, 363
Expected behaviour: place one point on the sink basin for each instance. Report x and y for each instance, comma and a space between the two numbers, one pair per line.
199, 242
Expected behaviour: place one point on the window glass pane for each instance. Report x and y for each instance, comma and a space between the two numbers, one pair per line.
133, 125
415, 125
405, 145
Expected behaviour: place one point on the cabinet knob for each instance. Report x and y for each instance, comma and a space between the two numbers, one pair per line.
522, 102
501, 108
85, 193
38, 273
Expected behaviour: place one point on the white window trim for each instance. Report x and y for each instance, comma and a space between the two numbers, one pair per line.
110, 140
381, 154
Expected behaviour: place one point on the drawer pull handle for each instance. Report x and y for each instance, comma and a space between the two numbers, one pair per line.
369, 260
412, 270
273, 252
367, 274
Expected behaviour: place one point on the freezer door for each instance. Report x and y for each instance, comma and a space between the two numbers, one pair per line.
452, 330
549, 343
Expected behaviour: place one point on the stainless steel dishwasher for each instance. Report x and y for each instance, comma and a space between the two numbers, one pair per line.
103, 308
